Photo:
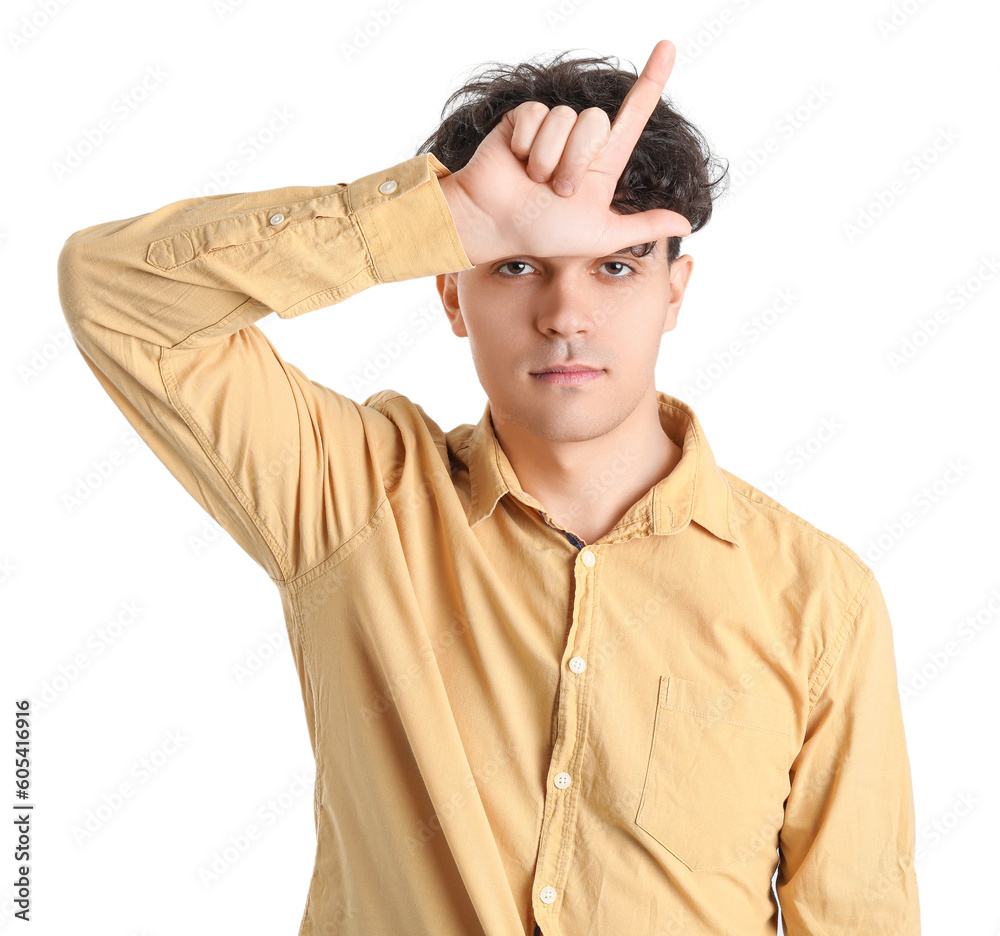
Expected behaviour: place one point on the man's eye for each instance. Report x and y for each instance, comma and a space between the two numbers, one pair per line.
618, 263
623, 271
514, 263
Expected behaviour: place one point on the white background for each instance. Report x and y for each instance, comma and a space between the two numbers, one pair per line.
912, 104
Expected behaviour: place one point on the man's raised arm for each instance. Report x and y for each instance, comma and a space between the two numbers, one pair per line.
162, 306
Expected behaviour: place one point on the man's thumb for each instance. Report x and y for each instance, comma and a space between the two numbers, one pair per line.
645, 226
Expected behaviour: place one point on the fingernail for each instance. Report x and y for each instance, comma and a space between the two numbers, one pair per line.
562, 187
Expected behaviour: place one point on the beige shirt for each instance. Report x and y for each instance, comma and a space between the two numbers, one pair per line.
623, 738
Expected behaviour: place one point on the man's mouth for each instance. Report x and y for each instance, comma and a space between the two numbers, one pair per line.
566, 369
568, 375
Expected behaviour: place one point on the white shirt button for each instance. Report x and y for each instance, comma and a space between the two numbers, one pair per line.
388, 187
578, 664
548, 894
277, 218
562, 780
588, 558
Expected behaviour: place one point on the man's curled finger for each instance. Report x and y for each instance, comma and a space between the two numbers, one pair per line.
527, 117
586, 141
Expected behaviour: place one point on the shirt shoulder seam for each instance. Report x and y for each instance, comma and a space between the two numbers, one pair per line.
333, 559
832, 654
842, 547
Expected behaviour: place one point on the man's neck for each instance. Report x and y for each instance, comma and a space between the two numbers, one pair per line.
586, 487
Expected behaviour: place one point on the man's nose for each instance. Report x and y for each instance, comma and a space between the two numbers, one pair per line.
566, 307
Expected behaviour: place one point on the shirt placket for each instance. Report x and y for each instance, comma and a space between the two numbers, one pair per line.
577, 543
566, 765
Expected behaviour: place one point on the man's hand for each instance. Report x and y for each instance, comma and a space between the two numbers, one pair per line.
509, 200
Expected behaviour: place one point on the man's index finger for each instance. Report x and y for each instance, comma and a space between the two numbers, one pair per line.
639, 103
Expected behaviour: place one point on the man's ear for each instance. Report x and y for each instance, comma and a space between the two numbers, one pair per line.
680, 273
447, 287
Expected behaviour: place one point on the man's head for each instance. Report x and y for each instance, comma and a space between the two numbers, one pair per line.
523, 314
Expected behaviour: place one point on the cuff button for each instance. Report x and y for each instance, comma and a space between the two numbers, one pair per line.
277, 218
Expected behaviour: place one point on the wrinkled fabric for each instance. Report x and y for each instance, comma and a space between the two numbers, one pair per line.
512, 728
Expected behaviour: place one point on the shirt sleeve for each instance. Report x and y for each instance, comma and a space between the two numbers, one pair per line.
847, 842
162, 307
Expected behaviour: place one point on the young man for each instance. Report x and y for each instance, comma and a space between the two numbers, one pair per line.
562, 673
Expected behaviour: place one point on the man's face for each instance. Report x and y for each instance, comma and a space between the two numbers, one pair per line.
523, 314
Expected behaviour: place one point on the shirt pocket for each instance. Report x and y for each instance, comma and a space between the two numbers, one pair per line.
717, 776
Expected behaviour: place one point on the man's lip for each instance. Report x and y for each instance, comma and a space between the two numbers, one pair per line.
572, 369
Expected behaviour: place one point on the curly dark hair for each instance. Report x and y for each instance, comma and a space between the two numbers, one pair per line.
670, 167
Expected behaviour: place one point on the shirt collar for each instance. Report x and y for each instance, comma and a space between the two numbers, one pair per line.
695, 489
